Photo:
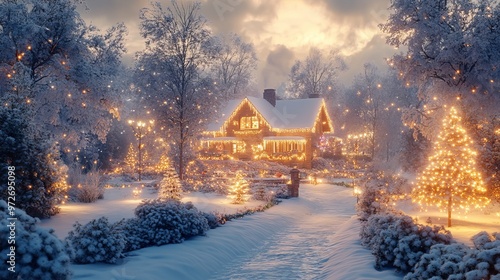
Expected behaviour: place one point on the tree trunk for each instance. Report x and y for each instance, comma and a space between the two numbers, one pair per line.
181, 161
449, 211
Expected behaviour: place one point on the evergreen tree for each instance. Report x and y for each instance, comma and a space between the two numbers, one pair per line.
131, 159
163, 164
238, 191
170, 186
451, 180
40, 183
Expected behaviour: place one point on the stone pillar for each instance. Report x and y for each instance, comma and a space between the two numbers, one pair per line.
293, 188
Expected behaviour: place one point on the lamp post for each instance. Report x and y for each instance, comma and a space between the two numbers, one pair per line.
140, 128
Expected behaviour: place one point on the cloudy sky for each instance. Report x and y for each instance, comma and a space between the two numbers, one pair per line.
282, 31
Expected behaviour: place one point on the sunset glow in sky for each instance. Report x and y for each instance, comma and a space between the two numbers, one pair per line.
282, 31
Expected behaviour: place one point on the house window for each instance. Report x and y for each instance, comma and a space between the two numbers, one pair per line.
249, 123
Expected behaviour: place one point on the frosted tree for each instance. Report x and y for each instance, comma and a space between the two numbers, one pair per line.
316, 74
450, 53
489, 133
171, 71
40, 184
239, 189
232, 66
60, 68
451, 180
170, 186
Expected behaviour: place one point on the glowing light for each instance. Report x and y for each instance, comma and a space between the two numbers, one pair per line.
451, 179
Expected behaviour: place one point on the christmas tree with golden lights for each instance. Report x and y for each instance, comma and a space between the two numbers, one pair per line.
170, 186
451, 180
131, 159
239, 189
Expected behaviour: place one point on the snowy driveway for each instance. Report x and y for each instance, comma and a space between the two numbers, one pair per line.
314, 236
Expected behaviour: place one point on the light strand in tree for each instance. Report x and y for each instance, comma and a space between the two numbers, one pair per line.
451, 180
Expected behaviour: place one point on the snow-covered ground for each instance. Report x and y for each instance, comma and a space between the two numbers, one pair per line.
463, 226
120, 202
315, 236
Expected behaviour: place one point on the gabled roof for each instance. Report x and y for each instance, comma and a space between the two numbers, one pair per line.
288, 114
223, 114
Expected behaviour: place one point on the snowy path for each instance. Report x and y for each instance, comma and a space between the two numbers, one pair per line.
298, 250
314, 236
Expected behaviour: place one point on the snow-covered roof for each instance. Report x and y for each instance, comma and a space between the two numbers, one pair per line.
223, 114
221, 139
287, 114
284, 138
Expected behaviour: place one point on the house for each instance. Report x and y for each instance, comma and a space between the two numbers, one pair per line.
285, 131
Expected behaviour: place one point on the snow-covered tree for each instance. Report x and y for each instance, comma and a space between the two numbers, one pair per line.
170, 186
489, 157
453, 41
239, 189
374, 106
40, 181
233, 65
170, 71
451, 180
59, 67
450, 54
316, 74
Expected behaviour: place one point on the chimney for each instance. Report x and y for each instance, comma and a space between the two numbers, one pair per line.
270, 96
313, 95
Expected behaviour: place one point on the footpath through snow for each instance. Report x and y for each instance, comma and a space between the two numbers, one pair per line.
314, 236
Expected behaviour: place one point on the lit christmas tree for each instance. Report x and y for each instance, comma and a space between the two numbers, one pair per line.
163, 164
238, 191
451, 180
170, 186
131, 159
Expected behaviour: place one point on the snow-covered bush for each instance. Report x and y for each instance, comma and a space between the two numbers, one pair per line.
373, 200
396, 241
457, 261
39, 254
170, 221
97, 241
441, 262
212, 220
136, 237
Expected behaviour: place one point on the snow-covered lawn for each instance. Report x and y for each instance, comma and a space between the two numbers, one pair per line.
315, 236
119, 203
463, 227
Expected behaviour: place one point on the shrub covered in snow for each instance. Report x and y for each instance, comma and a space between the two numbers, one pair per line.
97, 241
396, 241
38, 252
160, 222
457, 261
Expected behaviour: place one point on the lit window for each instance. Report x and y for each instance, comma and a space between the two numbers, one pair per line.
249, 123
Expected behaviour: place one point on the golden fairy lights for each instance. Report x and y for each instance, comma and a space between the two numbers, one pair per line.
451, 180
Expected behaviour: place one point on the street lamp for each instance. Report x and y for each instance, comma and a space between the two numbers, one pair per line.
140, 128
